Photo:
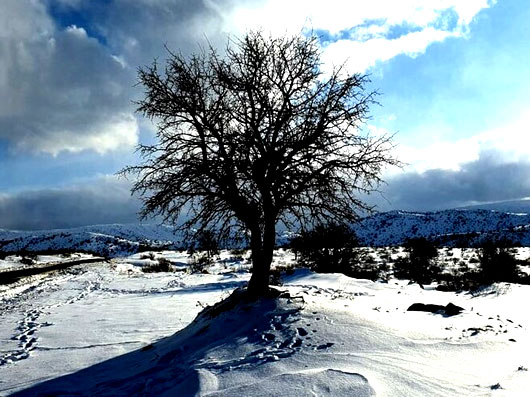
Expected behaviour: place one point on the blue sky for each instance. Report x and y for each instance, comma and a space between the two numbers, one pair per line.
454, 77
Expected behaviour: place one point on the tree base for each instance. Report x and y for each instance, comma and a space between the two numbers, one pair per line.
257, 288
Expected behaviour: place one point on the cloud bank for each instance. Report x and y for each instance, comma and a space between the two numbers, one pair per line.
490, 178
102, 201
510, 142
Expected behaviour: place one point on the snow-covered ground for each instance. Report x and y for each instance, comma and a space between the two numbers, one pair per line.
111, 329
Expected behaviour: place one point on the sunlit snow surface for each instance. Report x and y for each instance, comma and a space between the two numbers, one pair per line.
110, 329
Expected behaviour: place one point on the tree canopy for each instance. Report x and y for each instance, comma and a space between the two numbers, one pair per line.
255, 136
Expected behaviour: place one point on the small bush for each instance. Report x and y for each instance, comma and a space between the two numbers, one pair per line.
207, 241
149, 255
327, 248
237, 255
238, 252
275, 277
385, 256
27, 261
497, 263
474, 259
28, 258
419, 265
161, 266
368, 271
368, 259
198, 263
459, 280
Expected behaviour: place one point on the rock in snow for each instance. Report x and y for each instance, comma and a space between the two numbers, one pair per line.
447, 310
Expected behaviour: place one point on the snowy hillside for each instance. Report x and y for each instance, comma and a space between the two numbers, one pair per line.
106, 240
449, 227
517, 206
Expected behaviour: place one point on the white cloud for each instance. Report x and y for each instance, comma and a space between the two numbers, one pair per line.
117, 134
468, 9
364, 23
80, 32
335, 16
510, 142
358, 56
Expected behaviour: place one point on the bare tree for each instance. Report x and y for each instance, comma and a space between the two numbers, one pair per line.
254, 137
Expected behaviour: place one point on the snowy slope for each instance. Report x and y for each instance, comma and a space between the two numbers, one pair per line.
107, 240
449, 227
517, 206
111, 330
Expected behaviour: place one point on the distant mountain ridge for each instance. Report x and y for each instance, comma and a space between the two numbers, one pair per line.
457, 227
516, 206
447, 227
107, 240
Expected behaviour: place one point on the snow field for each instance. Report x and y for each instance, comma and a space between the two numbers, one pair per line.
328, 334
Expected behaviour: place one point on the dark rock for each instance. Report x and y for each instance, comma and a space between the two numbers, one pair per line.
452, 310
448, 310
422, 307
325, 346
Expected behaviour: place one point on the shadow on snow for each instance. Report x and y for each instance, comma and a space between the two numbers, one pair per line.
236, 333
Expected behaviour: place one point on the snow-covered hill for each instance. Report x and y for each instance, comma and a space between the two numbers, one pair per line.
449, 227
107, 240
522, 205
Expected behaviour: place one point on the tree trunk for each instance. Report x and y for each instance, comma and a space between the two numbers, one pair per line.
262, 247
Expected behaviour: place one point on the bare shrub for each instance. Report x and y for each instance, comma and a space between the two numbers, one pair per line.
162, 265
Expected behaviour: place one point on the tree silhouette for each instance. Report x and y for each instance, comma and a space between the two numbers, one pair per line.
256, 136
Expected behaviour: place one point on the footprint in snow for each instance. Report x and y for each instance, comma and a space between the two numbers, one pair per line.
268, 337
297, 343
24, 334
277, 326
301, 331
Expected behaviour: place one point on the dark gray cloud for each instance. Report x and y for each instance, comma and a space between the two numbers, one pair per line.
102, 201
487, 179
139, 29
68, 67
60, 89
